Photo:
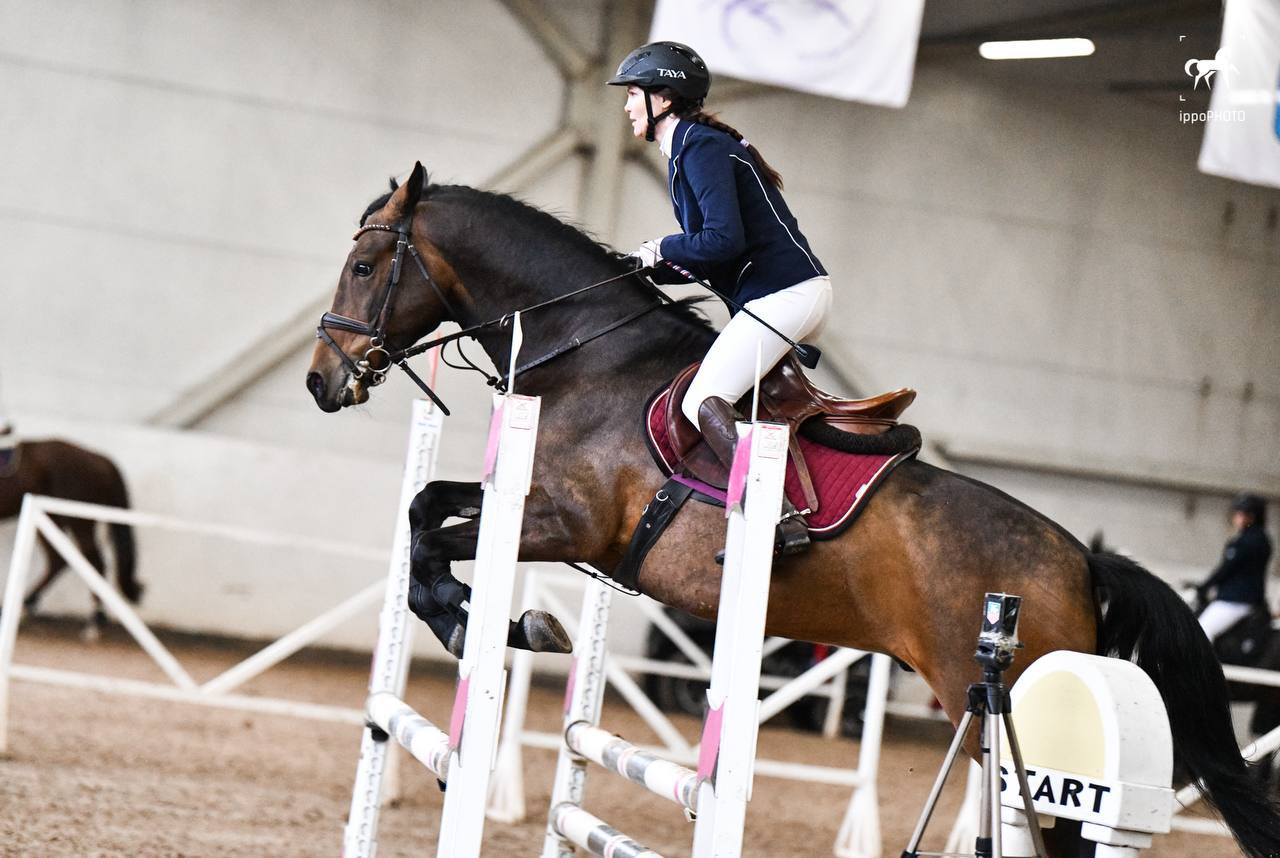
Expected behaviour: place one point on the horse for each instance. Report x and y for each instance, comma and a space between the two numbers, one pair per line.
907, 579
61, 469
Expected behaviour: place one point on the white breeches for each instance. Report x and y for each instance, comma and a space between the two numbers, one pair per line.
1220, 616
729, 369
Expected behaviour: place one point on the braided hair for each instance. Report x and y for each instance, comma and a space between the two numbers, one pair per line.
693, 112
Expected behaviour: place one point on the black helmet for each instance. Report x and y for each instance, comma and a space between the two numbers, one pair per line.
670, 64
1251, 505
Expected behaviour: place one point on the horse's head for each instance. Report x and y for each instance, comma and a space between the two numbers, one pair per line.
395, 288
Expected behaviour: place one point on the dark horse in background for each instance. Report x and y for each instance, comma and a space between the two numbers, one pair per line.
62, 470
907, 579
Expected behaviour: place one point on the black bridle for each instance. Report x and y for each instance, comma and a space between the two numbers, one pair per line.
379, 357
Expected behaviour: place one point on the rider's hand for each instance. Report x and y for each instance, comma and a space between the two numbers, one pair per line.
649, 254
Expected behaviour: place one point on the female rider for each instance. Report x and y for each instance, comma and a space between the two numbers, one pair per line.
738, 235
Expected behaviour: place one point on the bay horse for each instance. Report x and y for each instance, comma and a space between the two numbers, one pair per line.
62, 470
907, 579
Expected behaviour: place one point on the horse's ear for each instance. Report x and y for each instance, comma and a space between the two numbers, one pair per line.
405, 198
394, 184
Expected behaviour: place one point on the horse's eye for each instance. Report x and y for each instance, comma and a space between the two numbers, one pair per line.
362, 269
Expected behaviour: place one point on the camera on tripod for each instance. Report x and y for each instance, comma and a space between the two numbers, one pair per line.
989, 703
998, 639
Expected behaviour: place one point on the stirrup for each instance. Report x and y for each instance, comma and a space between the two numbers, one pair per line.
788, 539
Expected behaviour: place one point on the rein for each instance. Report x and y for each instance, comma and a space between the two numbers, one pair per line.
378, 358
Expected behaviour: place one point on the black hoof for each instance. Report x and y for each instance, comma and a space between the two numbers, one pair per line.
456, 640
539, 631
536, 631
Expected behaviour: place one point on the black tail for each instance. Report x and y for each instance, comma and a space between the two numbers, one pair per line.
1149, 624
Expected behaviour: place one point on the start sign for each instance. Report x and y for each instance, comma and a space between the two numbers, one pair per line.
1095, 740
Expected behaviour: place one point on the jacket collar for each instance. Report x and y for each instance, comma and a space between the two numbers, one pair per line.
683, 127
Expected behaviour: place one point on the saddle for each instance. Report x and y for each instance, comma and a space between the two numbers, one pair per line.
787, 396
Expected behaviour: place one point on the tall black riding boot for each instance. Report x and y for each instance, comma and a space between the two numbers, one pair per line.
717, 419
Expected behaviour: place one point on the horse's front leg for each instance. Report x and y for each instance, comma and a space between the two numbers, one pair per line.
441, 600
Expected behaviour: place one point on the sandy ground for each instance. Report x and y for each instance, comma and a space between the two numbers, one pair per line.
97, 775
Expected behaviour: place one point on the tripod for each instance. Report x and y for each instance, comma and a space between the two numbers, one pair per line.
989, 701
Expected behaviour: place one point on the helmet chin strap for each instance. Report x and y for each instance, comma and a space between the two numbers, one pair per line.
653, 120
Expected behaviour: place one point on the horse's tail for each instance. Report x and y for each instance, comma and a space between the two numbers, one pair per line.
122, 542
1148, 623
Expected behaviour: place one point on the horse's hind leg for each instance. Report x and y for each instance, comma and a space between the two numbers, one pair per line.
83, 532
54, 564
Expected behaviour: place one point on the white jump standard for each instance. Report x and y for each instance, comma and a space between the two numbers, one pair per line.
718, 791
464, 755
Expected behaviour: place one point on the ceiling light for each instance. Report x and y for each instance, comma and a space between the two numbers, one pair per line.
1035, 49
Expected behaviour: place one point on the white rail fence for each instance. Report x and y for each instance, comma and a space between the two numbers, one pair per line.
36, 519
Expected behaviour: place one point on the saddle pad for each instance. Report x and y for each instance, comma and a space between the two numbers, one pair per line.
843, 481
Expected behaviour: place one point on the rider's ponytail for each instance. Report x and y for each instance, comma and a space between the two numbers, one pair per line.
692, 111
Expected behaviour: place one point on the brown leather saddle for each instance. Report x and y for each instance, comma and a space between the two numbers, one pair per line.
786, 395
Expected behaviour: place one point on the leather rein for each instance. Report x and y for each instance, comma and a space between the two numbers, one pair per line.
380, 356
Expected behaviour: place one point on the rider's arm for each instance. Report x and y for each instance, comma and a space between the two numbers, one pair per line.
706, 164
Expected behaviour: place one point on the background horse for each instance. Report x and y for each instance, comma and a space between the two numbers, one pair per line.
907, 579
63, 470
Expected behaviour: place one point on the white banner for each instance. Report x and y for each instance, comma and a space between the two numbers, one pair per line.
860, 50
1242, 128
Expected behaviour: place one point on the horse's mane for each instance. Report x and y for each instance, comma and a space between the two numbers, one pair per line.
556, 231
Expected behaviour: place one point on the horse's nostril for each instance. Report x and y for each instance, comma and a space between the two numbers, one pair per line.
315, 384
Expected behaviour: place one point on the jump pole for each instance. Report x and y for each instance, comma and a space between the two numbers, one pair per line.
716, 793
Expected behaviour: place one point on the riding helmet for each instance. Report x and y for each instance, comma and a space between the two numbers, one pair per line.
1252, 505
671, 64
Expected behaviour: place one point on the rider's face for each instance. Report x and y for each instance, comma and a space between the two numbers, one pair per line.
635, 111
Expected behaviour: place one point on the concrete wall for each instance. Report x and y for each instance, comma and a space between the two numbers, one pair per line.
1038, 256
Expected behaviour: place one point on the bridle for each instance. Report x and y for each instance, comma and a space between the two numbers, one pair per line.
379, 357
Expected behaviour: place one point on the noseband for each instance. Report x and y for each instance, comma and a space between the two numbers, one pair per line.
378, 358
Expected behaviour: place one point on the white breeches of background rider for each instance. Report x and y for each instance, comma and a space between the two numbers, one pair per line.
1220, 616
729, 369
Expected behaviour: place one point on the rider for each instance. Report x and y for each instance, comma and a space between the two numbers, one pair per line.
1240, 579
737, 233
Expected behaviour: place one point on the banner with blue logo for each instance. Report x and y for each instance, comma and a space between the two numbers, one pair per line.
1242, 129
859, 50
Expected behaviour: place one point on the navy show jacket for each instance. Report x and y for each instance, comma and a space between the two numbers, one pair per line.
738, 232
1241, 576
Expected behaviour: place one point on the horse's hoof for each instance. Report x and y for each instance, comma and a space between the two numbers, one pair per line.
457, 640
543, 633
